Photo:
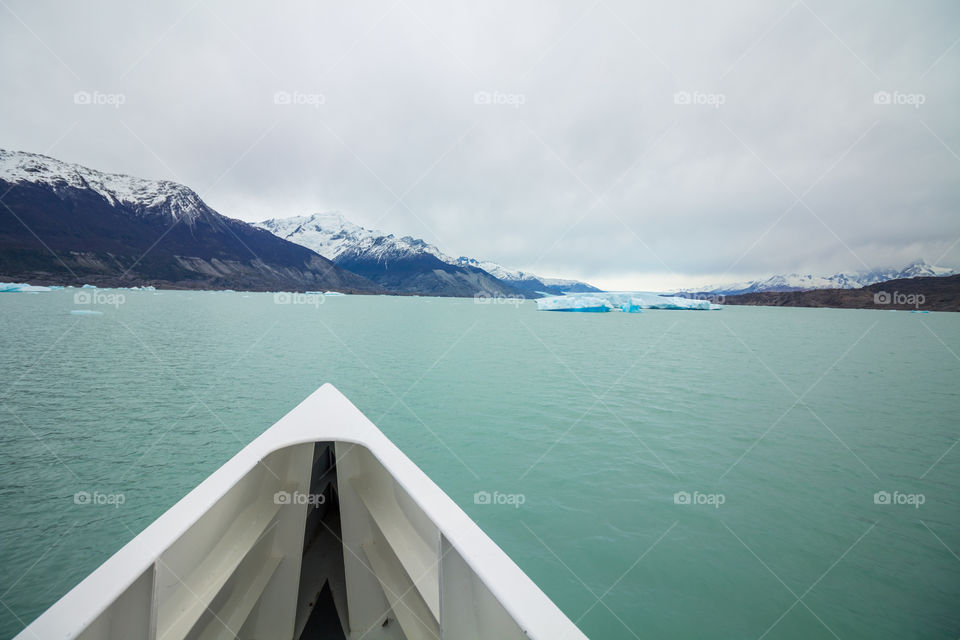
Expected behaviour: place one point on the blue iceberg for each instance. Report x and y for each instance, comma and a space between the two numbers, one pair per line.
20, 287
627, 301
581, 303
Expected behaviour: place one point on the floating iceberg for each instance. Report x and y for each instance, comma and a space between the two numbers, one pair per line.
628, 301
19, 287
587, 304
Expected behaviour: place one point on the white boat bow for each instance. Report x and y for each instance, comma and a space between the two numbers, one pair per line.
319, 528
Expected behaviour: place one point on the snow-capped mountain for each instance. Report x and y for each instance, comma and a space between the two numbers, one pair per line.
406, 264
400, 264
75, 225
138, 195
806, 282
331, 235
526, 281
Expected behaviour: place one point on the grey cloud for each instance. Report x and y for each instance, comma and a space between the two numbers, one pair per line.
598, 174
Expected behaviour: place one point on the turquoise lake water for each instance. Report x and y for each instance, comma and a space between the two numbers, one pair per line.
780, 424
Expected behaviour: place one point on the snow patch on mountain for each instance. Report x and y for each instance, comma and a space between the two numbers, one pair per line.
335, 237
526, 281
331, 235
805, 282
494, 269
141, 195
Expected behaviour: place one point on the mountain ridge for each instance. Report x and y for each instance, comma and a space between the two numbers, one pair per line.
806, 282
408, 264
922, 293
529, 282
64, 223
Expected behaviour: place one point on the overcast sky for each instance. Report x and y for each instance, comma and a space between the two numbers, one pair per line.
636, 145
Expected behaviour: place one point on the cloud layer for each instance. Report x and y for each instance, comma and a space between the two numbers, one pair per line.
634, 145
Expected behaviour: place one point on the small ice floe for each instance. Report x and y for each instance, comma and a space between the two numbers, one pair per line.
20, 287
